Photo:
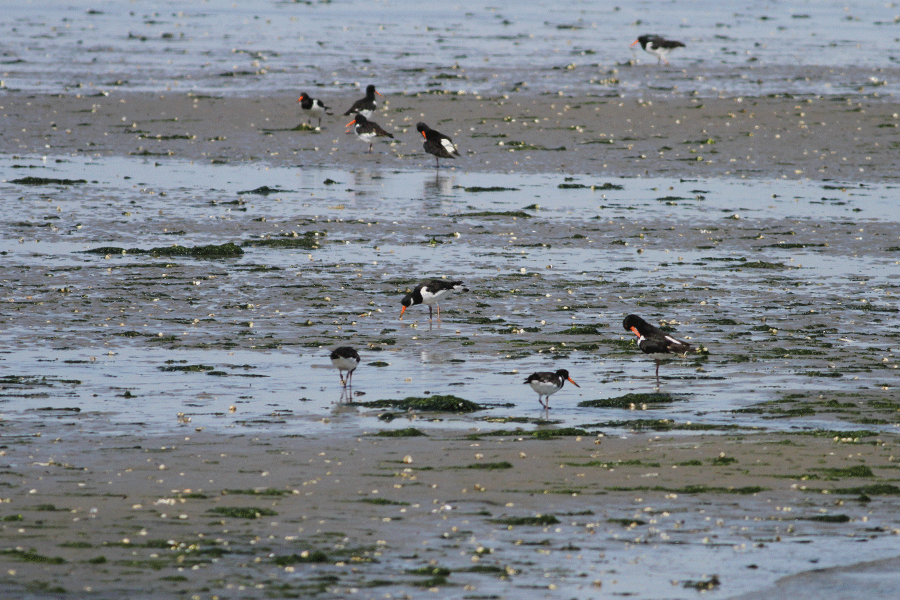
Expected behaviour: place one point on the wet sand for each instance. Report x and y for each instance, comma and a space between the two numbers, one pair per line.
213, 514
95, 515
812, 137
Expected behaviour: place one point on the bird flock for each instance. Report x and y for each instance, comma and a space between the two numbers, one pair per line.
435, 143
651, 339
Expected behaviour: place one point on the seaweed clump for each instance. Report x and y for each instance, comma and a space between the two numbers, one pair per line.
438, 403
228, 250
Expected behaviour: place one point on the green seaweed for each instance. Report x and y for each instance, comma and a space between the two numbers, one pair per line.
316, 556
407, 432
537, 521
630, 400
46, 181
240, 512
828, 518
228, 250
493, 466
32, 556
491, 213
437, 403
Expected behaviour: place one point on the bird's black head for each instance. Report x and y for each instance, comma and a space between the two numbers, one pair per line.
422, 127
370, 90
634, 321
407, 300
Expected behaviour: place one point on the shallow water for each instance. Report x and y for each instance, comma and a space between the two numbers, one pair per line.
261, 326
574, 46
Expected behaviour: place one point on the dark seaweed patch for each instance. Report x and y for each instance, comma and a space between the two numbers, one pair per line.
438, 403
629, 400
46, 181
240, 512
407, 432
537, 521
228, 250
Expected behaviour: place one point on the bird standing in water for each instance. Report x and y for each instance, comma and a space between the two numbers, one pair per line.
437, 144
652, 340
430, 293
346, 359
367, 130
546, 384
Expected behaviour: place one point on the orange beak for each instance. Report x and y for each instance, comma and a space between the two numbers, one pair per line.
300, 99
424, 136
635, 42
379, 93
634, 329
402, 311
350, 123
572, 381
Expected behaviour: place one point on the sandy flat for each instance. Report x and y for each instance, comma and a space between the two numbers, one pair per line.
794, 137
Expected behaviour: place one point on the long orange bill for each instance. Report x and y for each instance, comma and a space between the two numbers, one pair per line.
573, 382
635, 42
350, 123
402, 311
379, 93
424, 136
636, 332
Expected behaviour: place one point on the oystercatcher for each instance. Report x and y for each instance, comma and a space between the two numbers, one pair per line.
367, 130
547, 384
345, 358
436, 143
652, 340
315, 108
657, 46
430, 293
365, 106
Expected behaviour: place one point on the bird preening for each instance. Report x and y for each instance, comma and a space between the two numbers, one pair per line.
653, 340
657, 45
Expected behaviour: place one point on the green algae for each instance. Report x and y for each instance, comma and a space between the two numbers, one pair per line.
492, 213
396, 433
492, 466
316, 556
854, 471
828, 518
32, 556
437, 403
241, 512
383, 502
536, 521
46, 181
308, 240
228, 250
630, 400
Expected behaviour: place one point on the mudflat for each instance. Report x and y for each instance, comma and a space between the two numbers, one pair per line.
206, 514
814, 137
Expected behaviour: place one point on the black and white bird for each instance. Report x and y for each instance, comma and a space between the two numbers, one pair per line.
431, 292
652, 340
436, 143
365, 106
346, 359
367, 130
312, 107
657, 46
546, 384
